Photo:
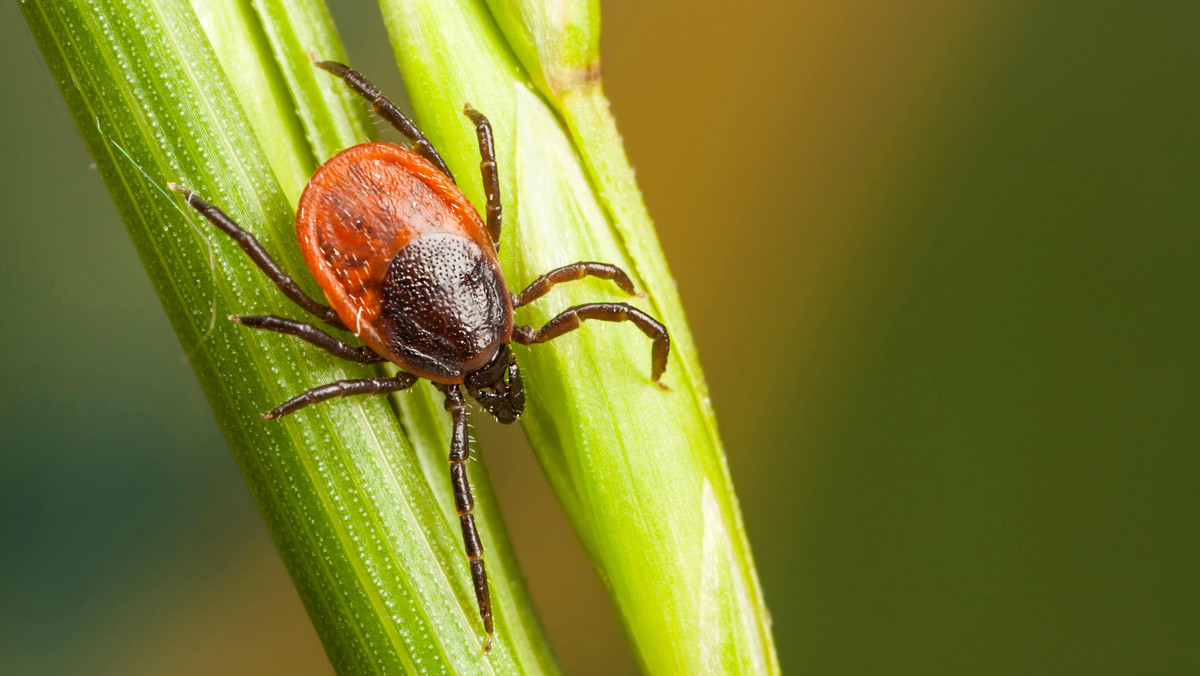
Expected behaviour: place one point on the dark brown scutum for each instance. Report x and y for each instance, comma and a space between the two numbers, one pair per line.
444, 308
464, 504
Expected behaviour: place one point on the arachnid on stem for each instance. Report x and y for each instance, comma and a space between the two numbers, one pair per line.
410, 268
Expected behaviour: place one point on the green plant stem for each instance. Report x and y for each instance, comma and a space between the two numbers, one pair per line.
362, 529
640, 472
237, 39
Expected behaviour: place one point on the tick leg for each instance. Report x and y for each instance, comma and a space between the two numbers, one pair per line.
388, 111
310, 333
487, 167
569, 273
250, 244
572, 317
464, 504
342, 388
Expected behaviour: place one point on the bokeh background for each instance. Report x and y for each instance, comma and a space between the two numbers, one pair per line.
941, 260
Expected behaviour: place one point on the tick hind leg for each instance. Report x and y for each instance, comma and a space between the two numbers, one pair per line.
250, 244
388, 111
310, 333
571, 318
569, 273
464, 505
342, 388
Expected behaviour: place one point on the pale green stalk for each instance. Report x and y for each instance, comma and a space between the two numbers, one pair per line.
237, 38
640, 472
360, 512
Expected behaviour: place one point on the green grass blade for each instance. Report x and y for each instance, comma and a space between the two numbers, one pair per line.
641, 473
361, 528
237, 38
299, 31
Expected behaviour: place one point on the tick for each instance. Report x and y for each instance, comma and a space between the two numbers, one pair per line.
410, 268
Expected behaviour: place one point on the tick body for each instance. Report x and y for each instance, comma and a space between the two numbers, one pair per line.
405, 261
410, 268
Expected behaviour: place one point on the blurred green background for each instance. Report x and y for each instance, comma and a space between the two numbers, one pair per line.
942, 260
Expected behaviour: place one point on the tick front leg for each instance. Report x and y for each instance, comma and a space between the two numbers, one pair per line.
342, 388
569, 273
250, 244
388, 111
464, 504
310, 333
571, 318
